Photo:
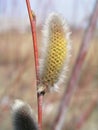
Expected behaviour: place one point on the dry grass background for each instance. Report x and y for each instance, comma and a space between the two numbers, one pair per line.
17, 80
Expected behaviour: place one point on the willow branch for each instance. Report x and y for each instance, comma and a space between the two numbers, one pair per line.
34, 38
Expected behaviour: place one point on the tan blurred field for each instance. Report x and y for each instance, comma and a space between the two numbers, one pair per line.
17, 80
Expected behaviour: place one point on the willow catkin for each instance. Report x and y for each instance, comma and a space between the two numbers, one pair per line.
23, 117
55, 53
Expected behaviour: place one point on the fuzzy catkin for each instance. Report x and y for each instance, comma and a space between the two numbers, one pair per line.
23, 117
55, 53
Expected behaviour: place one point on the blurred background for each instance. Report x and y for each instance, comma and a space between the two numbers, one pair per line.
17, 72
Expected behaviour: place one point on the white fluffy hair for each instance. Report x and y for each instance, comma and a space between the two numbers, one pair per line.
59, 20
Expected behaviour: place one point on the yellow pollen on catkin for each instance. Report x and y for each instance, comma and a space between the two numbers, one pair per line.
56, 56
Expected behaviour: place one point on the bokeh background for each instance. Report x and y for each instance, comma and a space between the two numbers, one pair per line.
17, 72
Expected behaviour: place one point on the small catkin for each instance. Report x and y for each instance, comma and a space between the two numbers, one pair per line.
55, 54
23, 117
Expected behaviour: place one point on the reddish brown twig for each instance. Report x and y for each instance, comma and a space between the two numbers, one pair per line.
86, 114
22, 69
77, 123
33, 29
72, 84
32, 18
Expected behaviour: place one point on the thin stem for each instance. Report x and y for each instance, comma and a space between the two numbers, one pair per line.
34, 37
32, 18
85, 115
40, 103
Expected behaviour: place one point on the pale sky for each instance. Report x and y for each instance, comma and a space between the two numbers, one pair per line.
75, 11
